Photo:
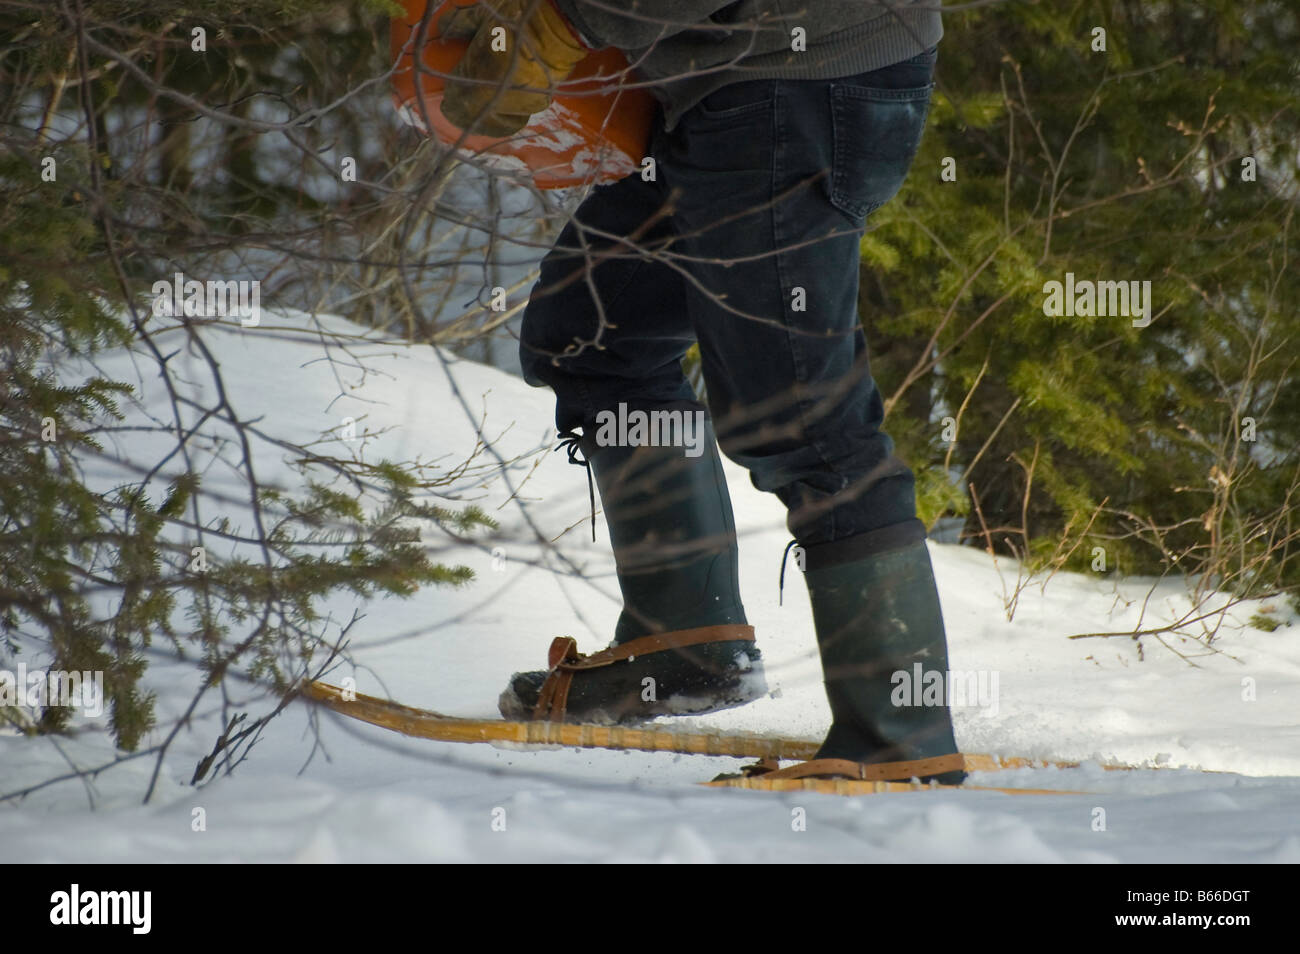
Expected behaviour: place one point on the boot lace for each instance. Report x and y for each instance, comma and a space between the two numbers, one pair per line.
570, 441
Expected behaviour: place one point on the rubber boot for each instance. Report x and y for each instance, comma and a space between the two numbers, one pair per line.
879, 626
674, 540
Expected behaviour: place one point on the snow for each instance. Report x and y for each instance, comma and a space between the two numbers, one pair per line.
372, 795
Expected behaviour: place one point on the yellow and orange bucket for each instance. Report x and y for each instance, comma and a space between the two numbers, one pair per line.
595, 130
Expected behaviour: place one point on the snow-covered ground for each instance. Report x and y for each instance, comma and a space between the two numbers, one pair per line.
1226, 721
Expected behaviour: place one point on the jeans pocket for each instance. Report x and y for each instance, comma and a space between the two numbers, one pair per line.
730, 130
876, 134
736, 101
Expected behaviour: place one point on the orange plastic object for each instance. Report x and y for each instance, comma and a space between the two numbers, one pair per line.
594, 130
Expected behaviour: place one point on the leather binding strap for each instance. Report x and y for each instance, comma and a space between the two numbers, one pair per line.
867, 772
564, 660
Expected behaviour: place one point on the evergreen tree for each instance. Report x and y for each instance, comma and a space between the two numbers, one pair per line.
96, 579
1119, 141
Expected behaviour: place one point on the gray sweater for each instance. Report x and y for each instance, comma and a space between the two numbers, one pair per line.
689, 48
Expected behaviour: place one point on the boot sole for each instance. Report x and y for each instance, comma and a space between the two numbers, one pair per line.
750, 685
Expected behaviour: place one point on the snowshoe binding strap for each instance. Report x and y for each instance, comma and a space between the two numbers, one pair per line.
862, 771
563, 659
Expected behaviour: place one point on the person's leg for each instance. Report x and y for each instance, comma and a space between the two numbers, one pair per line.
772, 181
605, 323
606, 328
769, 206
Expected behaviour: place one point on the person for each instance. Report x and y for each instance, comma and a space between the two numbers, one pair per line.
778, 133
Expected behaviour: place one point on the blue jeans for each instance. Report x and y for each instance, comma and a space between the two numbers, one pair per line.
747, 241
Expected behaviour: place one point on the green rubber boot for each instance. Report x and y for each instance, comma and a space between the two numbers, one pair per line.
881, 637
674, 541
